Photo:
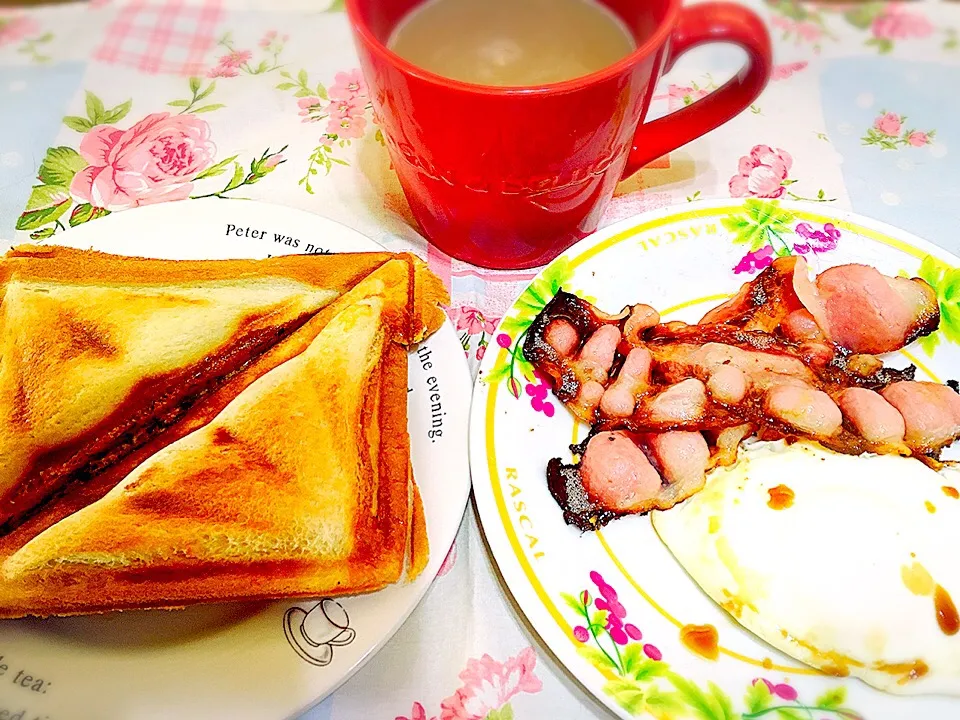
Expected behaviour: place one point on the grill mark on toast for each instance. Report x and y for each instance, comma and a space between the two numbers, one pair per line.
120, 434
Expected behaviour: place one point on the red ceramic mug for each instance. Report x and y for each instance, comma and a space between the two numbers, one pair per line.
509, 178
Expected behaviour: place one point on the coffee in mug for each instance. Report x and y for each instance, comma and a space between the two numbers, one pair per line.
511, 43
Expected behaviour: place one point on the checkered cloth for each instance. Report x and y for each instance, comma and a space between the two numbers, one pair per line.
169, 37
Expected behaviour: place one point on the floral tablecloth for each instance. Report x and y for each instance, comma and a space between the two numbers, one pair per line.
108, 105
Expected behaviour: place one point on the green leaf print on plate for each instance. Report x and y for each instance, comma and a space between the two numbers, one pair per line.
761, 223
514, 327
945, 280
642, 683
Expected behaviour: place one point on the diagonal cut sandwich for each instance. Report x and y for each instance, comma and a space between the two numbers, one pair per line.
249, 444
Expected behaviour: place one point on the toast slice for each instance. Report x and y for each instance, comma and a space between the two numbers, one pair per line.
300, 487
100, 353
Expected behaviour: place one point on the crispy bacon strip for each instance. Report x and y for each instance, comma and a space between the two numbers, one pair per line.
667, 401
764, 302
855, 306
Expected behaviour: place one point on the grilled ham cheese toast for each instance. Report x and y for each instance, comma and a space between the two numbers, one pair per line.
98, 350
334, 499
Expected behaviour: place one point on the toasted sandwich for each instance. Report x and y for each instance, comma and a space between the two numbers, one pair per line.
100, 352
400, 301
299, 487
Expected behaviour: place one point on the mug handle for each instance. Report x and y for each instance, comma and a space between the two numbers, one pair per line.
699, 24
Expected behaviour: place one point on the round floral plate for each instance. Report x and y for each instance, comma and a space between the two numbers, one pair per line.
258, 661
611, 604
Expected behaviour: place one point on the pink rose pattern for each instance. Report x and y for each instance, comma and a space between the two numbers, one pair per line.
16, 28
888, 124
898, 23
764, 173
889, 132
762, 178
761, 173
488, 686
885, 23
24, 32
154, 161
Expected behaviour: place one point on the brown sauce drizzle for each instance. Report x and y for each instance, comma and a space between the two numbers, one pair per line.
701, 639
781, 497
947, 617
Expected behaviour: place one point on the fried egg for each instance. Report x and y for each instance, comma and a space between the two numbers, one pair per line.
846, 563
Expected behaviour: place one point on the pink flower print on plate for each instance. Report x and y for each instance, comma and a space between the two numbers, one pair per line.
889, 124
897, 23
348, 85
489, 685
154, 161
781, 690
15, 28
816, 241
755, 261
761, 173
918, 139
538, 395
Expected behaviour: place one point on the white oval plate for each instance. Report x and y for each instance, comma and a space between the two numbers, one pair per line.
682, 262
235, 661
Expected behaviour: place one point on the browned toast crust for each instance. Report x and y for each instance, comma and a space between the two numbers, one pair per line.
390, 535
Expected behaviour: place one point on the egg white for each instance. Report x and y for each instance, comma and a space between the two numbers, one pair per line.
828, 579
